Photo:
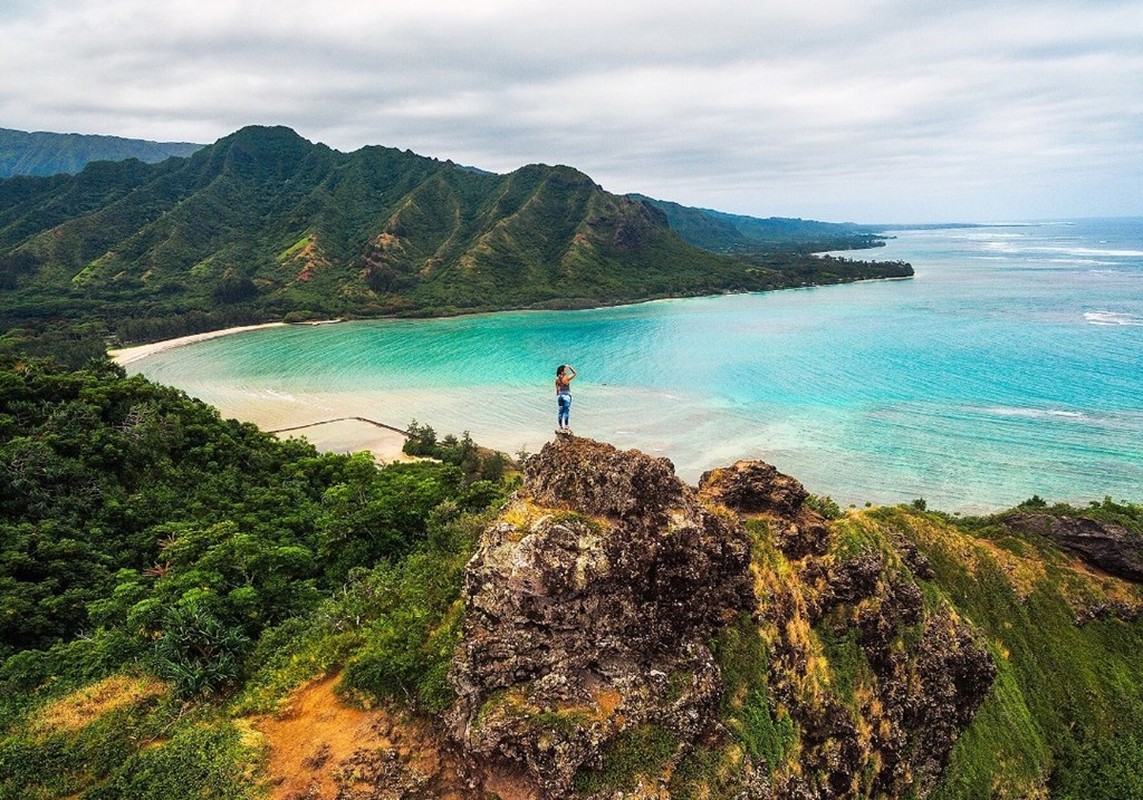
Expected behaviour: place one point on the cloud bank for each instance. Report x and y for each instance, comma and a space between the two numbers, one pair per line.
866, 110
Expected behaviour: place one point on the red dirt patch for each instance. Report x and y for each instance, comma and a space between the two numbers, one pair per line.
313, 729
321, 749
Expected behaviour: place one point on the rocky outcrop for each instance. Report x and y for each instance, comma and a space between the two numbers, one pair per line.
893, 737
1104, 545
755, 487
593, 478
590, 604
592, 601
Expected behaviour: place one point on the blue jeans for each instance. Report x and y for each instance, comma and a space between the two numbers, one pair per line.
563, 401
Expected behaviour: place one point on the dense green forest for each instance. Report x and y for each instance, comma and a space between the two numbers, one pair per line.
141, 535
43, 153
114, 486
736, 233
265, 225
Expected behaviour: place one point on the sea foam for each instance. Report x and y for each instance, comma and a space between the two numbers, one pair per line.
1036, 413
1111, 318
1089, 252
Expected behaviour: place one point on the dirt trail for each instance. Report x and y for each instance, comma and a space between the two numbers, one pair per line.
311, 735
321, 749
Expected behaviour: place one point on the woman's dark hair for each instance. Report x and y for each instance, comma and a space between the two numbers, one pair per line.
560, 369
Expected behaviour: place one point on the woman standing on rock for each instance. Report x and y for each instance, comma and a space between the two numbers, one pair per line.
564, 375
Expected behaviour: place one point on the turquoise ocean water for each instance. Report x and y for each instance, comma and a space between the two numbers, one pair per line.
1011, 365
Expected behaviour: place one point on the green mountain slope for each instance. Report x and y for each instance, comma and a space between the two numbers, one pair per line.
44, 153
736, 233
264, 223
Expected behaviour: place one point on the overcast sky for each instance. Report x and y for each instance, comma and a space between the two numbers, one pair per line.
862, 110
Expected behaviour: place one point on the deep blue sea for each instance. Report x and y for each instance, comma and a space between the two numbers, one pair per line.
1011, 365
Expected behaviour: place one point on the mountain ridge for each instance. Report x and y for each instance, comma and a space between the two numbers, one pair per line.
724, 232
264, 224
44, 153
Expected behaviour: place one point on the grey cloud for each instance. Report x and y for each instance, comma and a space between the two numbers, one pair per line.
879, 109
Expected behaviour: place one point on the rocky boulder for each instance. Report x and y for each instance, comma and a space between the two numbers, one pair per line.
755, 487
1105, 545
590, 604
594, 478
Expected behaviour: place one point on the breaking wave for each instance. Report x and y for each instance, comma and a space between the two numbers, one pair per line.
1035, 413
1111, 318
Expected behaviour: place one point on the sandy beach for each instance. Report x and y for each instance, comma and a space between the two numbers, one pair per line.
306, 420
127, 355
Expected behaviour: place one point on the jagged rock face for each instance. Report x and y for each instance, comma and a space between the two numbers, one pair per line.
1105, 545
755, 487
917, 699
592, 598
594, 478
590, 602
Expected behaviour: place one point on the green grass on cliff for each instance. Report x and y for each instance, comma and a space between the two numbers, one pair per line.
636, 754
1062, 717
1067, 703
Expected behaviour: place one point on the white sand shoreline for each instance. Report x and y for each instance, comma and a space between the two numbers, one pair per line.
127, 355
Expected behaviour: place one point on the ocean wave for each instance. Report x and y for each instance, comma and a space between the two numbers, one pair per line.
1035, 413
1095, 252
1112, 318
987, 236
1084, 262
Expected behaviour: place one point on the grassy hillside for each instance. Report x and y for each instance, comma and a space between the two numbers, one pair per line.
1062, 717
1065, 711
43, 153
1067, 708
264, 225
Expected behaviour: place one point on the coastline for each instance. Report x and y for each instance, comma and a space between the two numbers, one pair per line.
127, 355
341, 435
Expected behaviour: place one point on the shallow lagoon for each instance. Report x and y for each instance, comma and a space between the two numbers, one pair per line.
1011, 365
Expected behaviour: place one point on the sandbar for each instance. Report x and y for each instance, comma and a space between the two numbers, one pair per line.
352, 436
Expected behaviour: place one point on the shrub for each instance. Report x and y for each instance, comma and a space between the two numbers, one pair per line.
197, 652
824, 505
635, 753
